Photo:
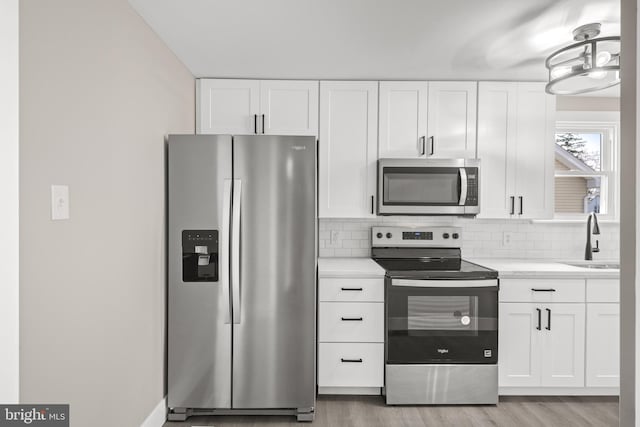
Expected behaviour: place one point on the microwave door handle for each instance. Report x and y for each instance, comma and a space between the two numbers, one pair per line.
463, 186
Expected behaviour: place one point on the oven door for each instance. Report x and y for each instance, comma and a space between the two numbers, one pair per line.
427, 187
441, 321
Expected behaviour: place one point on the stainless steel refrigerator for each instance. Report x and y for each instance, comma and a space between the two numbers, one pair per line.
242, 230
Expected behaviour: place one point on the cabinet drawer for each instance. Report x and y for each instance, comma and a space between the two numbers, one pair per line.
351, 322
350, 364
339, 289
542, 290
603, 290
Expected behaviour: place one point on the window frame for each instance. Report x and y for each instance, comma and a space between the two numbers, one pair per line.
609, 166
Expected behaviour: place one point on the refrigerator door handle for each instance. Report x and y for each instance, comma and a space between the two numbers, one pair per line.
235, 249
224, 248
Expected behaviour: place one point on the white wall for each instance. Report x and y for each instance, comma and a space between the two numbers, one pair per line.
98, 93
9, 284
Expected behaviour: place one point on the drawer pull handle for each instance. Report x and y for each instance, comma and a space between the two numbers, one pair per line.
351, 289
351, 360
543, 290
352, 319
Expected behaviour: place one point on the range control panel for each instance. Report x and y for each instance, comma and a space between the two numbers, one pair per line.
440, 237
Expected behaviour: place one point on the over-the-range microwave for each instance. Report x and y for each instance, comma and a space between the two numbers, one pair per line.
428, 186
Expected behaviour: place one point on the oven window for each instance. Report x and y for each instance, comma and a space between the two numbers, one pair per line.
441, 324
442, 313
420, 186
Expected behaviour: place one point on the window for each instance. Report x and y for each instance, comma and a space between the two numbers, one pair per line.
586, 160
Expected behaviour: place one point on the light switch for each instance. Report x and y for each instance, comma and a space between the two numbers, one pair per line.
59, 202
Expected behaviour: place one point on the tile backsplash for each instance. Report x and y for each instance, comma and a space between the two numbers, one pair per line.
480, 238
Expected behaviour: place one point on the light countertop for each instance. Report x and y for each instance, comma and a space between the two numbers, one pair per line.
512, 268
507, 268
349, 267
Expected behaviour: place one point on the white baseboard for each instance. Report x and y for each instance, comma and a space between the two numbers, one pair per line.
158, 416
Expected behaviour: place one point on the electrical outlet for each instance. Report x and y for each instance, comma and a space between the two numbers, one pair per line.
59, 202
334, 236
507, 239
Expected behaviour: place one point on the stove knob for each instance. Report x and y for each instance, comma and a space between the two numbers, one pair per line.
445, 236
455, 235
379, 235
389, 235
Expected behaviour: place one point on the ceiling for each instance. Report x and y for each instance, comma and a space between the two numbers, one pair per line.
372, 39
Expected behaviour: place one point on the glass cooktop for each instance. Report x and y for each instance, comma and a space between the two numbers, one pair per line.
434, 268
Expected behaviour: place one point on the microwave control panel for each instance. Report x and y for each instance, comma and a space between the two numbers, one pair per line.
472, 187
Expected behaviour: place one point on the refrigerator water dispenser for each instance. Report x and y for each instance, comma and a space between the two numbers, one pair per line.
200, 255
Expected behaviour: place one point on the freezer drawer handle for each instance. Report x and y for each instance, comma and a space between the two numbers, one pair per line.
543, 289
351, 360
351, 289
352, 319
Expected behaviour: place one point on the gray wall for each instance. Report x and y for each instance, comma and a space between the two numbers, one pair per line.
98, 93
629, 231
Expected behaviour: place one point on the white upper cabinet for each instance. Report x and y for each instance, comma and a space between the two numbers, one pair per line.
347, 153
516, 148
227, 106
247, 107
289, 107
427, 119
403, 119
452, 119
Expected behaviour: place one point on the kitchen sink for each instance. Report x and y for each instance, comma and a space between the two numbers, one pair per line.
597, 265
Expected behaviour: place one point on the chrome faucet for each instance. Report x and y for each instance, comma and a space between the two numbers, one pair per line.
588, 251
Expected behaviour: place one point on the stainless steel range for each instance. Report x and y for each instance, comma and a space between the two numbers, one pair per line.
441, 328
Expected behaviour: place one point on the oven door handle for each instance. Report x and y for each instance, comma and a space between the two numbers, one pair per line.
463, 186
488, 283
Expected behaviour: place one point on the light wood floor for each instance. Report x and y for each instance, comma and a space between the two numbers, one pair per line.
370, 411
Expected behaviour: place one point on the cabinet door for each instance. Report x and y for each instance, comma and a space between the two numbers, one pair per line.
562, 347
226, 106
288, 107
403, 119
603, 345
535, 149
518, 345
347, 160
451, 124
496, 148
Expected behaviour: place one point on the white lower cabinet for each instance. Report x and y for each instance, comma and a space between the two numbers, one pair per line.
603, 333
559, 336
351, 335
541, 345
350, 364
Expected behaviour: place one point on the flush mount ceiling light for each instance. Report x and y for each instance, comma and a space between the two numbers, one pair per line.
589, 65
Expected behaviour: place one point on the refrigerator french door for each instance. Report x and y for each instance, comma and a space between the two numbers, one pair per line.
242, 274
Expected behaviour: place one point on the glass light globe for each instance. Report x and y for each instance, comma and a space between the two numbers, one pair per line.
559, 72
603, 58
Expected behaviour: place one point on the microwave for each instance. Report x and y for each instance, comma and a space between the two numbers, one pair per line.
428, 187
